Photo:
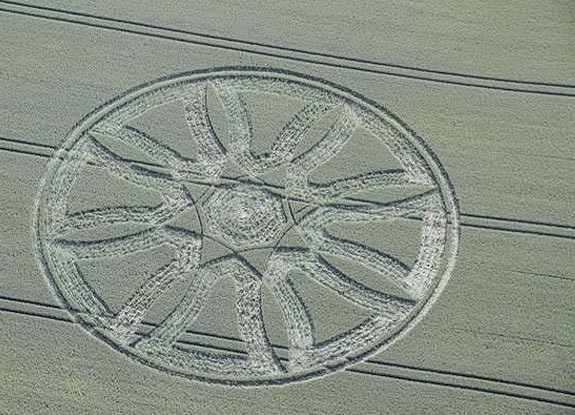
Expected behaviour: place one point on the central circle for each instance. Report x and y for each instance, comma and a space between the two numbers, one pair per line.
244, 217
243, 213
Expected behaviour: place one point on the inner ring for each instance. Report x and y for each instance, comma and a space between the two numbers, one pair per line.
244, 216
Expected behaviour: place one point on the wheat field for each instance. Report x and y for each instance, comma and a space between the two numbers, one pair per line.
287, 207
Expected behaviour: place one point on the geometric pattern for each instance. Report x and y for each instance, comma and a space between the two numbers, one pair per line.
245, 213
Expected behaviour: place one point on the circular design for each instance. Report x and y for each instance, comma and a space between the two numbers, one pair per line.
246, 212
244, 216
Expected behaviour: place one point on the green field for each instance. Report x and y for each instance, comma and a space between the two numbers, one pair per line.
291, 208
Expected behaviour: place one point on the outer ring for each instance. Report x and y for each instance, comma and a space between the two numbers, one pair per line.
440, 175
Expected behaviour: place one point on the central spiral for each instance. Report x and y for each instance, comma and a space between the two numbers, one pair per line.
243, 216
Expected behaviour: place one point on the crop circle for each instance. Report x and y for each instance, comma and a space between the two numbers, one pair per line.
244, 213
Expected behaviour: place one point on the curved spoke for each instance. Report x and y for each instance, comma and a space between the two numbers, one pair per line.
250, 319
239, 121
205, 362
370, 258
359, 294
176, 197
285, 144
172, 206
125, 323
313, 230
366, 333
241, 131
170, 158
57, 202
212, 153
303, 350
137, 242
332, 278
81, 295
176, 324
428, 264
291, 135
330, 145
188, 246
299, 323
415, 206
109, 216
101, 156
397, 143
251, 325
354, 184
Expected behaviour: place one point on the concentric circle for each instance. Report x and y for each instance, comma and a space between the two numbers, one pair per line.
244, 217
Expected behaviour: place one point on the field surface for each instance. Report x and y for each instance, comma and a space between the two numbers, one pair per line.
287, 207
